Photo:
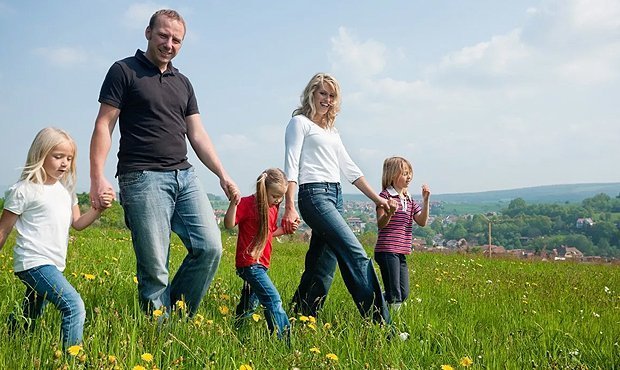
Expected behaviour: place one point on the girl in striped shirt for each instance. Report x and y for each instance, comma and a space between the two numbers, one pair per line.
395, 228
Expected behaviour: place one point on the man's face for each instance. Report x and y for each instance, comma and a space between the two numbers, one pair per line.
164, 41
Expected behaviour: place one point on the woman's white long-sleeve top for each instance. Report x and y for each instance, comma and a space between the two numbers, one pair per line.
314, 154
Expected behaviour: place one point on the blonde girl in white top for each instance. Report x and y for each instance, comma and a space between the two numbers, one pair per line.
42, 206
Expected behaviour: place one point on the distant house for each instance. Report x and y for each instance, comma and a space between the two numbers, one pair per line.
495, 249
584, 222
564, 252
356, 224
418, 244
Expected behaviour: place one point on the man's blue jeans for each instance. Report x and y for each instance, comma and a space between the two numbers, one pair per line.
156, 203
45, 283
257, 287
333, 242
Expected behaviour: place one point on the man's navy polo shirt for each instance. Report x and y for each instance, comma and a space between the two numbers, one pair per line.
153, 108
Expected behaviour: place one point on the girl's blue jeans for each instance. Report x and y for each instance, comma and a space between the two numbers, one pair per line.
45, 283
334, 243
258, 288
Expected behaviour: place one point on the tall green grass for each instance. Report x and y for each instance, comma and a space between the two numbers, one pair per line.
499, 313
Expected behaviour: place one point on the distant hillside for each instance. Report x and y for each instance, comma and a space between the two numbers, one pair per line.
572, 193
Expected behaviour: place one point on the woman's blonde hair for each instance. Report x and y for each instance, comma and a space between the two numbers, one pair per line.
392, 168
272, 178
307, 99
45, 141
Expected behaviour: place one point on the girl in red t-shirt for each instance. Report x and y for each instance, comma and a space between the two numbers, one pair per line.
257, 216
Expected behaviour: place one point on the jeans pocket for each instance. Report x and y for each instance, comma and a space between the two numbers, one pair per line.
130, 178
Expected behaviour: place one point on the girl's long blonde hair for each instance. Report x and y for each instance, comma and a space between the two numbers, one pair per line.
45, 141
307, 99
392, 168
272, 178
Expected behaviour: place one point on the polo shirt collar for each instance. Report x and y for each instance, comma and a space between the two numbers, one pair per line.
394, 193
143, 59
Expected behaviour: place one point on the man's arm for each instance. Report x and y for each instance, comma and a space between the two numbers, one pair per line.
202, 145
100, 144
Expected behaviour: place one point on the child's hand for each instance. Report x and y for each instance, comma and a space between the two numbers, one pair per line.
106, 199
295, 225
393, 206
426, 192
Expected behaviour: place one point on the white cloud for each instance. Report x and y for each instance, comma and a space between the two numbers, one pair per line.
361, 59
596, 66
137, 16
496, 55
63, 56
596, 14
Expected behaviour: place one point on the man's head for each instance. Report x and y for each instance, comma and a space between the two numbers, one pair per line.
165, 34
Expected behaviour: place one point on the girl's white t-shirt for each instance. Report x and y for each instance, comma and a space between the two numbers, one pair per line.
45, 213
314, 154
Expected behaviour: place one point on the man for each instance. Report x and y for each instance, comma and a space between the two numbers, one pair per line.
159, 191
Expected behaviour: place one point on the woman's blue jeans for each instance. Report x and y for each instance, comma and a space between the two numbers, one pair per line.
257, 287
156, 203
45, 283
334, 243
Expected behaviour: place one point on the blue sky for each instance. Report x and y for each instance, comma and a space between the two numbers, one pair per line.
479, 95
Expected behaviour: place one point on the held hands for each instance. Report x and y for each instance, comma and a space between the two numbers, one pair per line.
426, 192
393, 204
290, 221
106, 199
230, 189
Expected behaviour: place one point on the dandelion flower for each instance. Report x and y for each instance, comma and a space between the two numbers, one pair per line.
135, 279
315, 350
312, 319
198, 319
224, 310
147, 357
74, 350
112, 359
157, 313
331, 356
312, 326
303, 318
138, 367
180, 305
255, 317
327, 326
446, 367
245, 367
466, 361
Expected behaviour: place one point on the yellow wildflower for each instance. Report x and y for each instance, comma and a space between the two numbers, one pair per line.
255, 317
74, 350
315, 350
446, 367
135, 279
57, 354
225, 297
147, 357
181, 305
138, 367
327, 326
303, 318
466, 361
224, 310
198, 319
157, 313
245, 367
112, 359
89, 276
312, 326
312, 319
332, 356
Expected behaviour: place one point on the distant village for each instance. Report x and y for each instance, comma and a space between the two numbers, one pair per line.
361, 217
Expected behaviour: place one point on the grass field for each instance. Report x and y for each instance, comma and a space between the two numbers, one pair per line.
464, 311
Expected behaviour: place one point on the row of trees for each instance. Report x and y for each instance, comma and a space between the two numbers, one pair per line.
540, 226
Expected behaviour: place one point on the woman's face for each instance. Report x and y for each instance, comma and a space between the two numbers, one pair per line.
323, 96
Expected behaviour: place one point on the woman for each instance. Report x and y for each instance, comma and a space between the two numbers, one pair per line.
315, 157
